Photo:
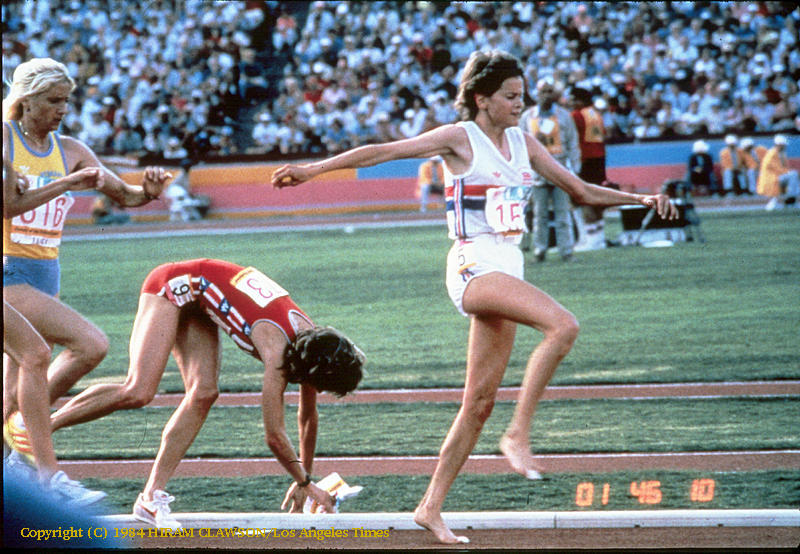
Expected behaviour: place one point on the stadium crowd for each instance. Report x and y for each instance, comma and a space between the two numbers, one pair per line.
200, 79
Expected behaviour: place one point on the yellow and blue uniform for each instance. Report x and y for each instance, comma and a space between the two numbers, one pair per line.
31, 240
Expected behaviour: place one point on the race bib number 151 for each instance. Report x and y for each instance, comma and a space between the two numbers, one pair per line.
505, 208
260, 288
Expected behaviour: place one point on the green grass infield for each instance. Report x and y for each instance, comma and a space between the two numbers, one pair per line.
629, 490
561, 426
723, 310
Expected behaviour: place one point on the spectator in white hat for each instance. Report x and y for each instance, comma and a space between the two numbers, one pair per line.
776, 178
730, 161
700, 174
751, 159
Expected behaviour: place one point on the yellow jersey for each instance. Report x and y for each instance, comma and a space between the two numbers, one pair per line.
37, 233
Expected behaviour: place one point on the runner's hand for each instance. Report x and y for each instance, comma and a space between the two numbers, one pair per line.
154, 181
296, 497
665, 208
291, 176
23, 184
87, 178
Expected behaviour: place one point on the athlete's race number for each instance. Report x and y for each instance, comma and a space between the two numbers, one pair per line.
180, 289
260, 288
505, 208
42, 225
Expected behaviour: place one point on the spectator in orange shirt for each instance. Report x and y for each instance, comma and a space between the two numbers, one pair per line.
776, 178
430, 181
730, 161
751, 159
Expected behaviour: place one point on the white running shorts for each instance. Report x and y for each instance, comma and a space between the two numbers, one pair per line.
478, 256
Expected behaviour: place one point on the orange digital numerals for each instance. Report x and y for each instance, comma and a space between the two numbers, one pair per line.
584, 494
647, 492
702, 490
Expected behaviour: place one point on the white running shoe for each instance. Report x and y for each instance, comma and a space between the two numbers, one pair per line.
772, 204
73, 491
157, 511
19, 468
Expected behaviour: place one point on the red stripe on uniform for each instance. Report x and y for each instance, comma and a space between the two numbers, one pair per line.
469, 190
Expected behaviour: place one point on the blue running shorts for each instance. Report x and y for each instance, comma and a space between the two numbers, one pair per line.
44, 275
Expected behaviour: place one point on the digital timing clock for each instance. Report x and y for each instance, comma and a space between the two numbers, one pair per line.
646, 492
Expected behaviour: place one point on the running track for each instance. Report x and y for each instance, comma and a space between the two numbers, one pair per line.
479, 464
590, 538
415, 465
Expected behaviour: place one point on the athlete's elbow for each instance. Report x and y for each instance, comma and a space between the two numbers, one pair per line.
275, 440
11, 209
580, 195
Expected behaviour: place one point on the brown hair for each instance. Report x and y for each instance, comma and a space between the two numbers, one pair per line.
326, 359
484, 74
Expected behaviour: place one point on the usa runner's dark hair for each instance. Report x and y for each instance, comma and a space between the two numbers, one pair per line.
325, 359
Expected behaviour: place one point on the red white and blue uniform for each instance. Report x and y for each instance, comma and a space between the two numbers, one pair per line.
234, 297
490, 196
485, 210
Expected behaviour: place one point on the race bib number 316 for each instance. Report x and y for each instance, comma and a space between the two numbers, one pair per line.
260, 288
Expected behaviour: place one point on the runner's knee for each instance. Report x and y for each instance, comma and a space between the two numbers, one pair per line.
478, 408
91, 348
136, 396
36, 358
565, 331
204, 396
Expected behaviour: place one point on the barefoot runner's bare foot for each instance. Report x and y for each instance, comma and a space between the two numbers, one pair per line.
520, 458
436, 525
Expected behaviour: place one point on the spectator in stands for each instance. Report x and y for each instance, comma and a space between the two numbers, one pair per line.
385, 129
175, 150
362, 131
335, 138
692, 122
253, 84
442, 109
127, 140
763, 113
715, 120
736, 116
291, 139
678, 97
784, 113
319, 20
265, 134
412, 122
285, 34
700, 173
666, 120
776, 178
97, 133
167, 51
461, 47
334, 93
731, 166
